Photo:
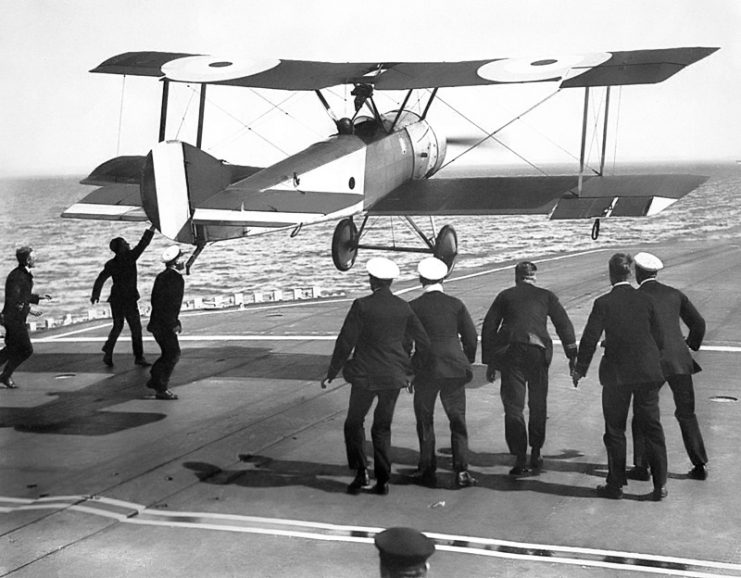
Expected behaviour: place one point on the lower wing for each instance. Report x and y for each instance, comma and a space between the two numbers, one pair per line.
600, 196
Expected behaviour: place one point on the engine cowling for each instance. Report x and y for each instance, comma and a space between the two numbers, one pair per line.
428, 146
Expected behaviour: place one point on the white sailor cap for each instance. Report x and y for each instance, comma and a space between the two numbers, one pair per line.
382, 268
171, 253
648, 262
432, 268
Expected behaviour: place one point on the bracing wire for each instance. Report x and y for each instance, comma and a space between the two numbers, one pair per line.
495, 131
120, 116
617, 126
185, 113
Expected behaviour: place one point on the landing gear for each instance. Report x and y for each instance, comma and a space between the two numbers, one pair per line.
446, 246
345, 244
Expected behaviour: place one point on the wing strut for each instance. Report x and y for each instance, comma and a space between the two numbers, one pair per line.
429, 102
201, 112
583, 139
163, 109
604, 132
401, 109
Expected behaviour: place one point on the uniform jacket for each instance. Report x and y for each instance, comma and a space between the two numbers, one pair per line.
167, 297
671, 306
122, 269
520, 315
452, 335
633, 338
18, 295
379, 331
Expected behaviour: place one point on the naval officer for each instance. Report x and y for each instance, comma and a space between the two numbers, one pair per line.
453, 349
378, 332
124, 295
676, 362
630, 367
19, 297
403, 553
515, 340
164, 321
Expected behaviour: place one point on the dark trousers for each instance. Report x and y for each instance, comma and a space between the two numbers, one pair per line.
525, 371
453, 397
615, 406
17, 348
684, 402
361, 400
128, 311
165, 364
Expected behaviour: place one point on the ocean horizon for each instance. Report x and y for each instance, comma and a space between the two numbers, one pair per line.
71, 252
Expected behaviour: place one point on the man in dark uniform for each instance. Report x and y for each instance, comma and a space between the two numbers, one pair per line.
18, 300
164, 322
124, 295
515, 340
379, 332
630, 366
403, 553
676, 363
453, 350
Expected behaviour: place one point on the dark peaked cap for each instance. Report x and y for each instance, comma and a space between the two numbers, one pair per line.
403, 547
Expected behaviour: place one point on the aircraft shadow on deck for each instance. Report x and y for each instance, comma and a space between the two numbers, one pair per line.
83, 411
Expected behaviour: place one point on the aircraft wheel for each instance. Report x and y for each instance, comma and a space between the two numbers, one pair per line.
345, 244
446, 246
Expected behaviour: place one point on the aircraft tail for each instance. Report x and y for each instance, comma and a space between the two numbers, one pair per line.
176, 177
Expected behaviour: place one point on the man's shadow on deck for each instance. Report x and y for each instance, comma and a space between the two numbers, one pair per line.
84, 410
266, 472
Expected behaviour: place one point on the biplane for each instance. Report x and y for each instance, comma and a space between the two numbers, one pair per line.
377, 163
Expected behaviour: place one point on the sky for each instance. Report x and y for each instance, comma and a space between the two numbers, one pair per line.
58, 119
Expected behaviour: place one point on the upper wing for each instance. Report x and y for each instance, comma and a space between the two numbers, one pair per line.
593, 69
619, 195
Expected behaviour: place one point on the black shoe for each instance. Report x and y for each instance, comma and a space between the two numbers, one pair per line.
361, 480
610, 492
140, 361
424, 478
520, 470
639, 473
108, 359
659, 494
536, 461
465, 480
166, 395
381, 488
698, 473
8, 382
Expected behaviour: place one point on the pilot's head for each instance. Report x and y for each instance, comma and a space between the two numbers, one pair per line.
381, 272
118, 245
525, 272
345, 126
620, 267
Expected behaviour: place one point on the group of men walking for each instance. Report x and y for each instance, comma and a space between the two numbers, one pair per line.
164, 323
429, 344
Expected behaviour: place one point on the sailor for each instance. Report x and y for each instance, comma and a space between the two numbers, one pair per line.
630, 368
124, 295
515, 340
453, 350
164, 322
18, 300
378, 332
403, 553
676, 362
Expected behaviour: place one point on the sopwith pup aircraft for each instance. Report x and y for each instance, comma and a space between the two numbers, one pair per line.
376, 163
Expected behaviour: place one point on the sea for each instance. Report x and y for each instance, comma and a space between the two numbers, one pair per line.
70, 252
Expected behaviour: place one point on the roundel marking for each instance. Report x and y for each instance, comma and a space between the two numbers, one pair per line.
211, 69
532, 69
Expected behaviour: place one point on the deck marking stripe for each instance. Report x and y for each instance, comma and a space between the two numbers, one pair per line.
463, 544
